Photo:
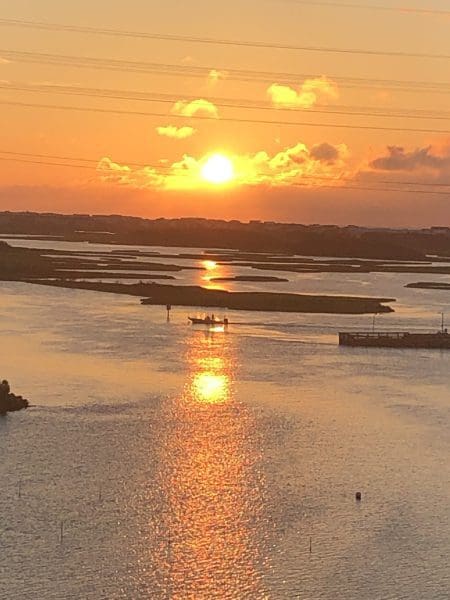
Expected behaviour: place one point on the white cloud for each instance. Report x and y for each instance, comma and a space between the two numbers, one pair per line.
214, 76
195, 107
310, 93
177, 133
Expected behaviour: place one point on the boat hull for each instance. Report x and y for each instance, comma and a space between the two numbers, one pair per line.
400, 339
195, 321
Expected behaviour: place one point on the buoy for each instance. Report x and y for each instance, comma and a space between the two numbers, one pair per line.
358, 496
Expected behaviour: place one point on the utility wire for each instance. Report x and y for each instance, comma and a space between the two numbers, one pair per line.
294, 184
222, 102
247, 75
214, 41
94, 163
225, 119
380, 8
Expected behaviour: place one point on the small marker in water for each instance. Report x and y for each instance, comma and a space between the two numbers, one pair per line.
358, 496
61, 533
310, 544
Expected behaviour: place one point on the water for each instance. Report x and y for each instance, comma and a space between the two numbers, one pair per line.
179, 463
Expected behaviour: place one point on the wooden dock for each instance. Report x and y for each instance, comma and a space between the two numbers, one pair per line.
395, 339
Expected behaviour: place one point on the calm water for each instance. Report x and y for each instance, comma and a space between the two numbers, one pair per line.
178, 463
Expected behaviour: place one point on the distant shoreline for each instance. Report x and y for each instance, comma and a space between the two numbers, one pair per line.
254, 236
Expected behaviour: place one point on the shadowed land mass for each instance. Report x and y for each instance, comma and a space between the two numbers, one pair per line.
429, 285
33, 266
185, 295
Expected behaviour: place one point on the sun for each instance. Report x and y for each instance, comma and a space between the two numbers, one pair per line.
217, 169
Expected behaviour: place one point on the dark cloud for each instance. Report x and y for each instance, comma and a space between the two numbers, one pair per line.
325, 152
399, 160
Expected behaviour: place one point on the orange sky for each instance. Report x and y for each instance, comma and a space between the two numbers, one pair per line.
291, 160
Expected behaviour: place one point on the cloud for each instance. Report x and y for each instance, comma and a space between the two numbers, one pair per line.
177, 133
195, 107
311, 167
4, 61
123, 175
183, 174
398, 159
325, 152
310, 93
295, 164
214, 76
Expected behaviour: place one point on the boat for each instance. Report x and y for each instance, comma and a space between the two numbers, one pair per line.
208, 321
396, 339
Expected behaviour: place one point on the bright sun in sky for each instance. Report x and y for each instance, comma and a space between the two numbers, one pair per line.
218, 169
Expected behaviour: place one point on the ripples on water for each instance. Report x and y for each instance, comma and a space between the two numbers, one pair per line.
191, 465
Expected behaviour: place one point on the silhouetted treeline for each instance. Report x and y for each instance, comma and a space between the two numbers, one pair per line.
313, 240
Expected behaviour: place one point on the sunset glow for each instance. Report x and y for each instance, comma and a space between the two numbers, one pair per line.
218, 169
225, 299
300, 134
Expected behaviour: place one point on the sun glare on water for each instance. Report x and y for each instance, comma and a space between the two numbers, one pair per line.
218, 169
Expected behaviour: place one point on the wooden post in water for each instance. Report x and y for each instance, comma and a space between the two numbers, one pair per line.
168, 308
61, 532
169, 566
19, 491
310, 544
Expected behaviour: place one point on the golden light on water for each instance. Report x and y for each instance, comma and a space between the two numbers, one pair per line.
212, 481
211, 379
209, 265
213, 270
210, 388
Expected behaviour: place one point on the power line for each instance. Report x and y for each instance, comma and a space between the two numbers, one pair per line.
222, 102
46, 163
214, 41
226, 119
37, 159
396, 9
81, 160
294, 184
204, 71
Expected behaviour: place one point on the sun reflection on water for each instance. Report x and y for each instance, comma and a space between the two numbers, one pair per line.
210, 388
213, 270
209, 265
213, 482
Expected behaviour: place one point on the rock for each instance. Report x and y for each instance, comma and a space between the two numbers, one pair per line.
12, 403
